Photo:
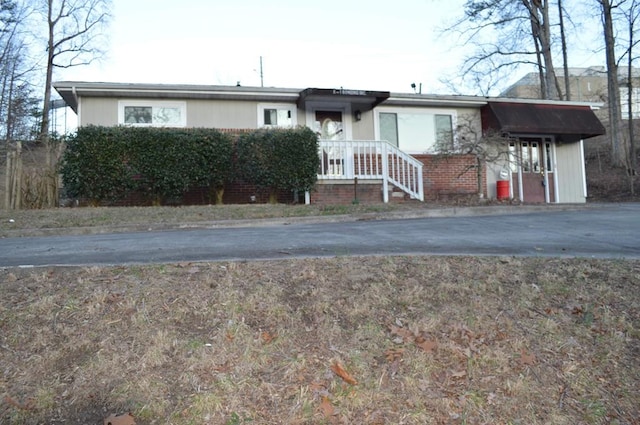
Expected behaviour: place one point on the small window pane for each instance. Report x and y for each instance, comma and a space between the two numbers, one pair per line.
279, 117
389, 128
138, 114
270, 117
444, 132
166, 116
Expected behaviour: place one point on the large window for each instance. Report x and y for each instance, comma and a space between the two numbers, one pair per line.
276, 115
152, 113
417, 132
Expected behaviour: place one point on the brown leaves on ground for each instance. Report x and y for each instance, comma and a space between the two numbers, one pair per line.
339, 370
126, 419
417, 338
469, 341
527, 359
327, 408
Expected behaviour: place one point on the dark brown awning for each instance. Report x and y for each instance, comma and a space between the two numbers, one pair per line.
364, 100
568, 123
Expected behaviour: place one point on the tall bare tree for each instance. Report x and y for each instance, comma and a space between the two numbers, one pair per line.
632, 16
607, 8
507, 34
565, 61
74, 30
74, 37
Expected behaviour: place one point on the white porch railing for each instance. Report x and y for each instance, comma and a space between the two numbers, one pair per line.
371, 160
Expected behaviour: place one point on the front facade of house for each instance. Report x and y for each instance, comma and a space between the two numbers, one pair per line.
377, 146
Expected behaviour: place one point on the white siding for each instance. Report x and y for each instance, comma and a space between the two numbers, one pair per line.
570, 173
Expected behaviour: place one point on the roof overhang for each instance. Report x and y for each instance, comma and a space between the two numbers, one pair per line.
363, 100
568, 123
72, 91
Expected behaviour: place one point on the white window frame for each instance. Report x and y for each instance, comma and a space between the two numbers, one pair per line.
415, 111
181, 105
280, 106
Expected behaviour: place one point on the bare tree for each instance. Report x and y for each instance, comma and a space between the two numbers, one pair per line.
631, 15
506, 35
565, 61
607, 8
489, 147
74, 38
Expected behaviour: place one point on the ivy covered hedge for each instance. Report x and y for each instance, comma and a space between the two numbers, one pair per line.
109, 163
276, 159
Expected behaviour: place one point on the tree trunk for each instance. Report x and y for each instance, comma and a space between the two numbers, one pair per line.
632, 145
613, 89
565, 61
51, 181
541, 30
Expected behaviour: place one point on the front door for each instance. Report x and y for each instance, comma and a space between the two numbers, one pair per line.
532, 159
328, 125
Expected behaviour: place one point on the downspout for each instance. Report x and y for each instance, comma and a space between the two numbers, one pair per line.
584, 171
554, 168
77, 99
545, 173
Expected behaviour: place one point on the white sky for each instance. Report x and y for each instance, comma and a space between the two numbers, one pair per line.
355, 44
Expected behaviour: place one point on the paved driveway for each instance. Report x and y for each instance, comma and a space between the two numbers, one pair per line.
611, 231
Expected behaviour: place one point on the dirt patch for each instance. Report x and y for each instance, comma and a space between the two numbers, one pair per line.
424, 340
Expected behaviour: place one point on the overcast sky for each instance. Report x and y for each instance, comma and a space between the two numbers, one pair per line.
355, 44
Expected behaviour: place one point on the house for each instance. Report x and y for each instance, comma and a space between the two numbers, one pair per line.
376, 145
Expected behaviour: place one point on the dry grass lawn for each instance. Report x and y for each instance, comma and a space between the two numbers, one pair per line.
395, 340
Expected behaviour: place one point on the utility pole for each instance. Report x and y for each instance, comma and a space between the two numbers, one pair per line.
261, 74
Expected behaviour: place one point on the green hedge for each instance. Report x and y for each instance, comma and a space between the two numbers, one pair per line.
279, 159
109, 163
96, 165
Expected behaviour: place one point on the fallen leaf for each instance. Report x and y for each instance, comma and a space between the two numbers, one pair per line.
28, 405
459, 374
126, 419
327, 408
405, 334
339, 370
393, 354
527, 359
267, 337
427, 345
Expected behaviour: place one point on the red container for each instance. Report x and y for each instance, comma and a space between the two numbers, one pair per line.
502, 189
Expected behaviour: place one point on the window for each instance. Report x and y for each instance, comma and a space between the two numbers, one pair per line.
529, 155
417, 132
277, 117
444, 132
152, 113
270, 115
389, 127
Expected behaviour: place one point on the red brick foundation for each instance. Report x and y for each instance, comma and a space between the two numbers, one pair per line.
445, 178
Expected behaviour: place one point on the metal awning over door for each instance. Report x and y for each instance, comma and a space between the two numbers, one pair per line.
568, 123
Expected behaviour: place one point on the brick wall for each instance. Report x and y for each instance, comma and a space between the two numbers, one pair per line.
450, 176
346, 193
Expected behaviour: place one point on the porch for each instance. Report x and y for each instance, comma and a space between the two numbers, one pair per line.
370, 161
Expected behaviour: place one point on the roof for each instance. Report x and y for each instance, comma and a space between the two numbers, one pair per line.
364, 100
567, 122
71, 90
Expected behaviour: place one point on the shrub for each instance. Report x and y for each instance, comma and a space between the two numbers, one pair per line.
96, 165
107, 163
279, 159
